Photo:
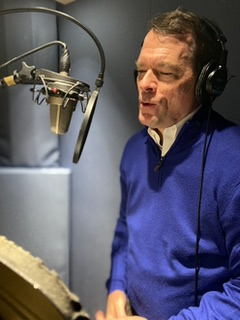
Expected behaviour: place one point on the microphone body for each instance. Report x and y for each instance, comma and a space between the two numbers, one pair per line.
61, 100
61, 106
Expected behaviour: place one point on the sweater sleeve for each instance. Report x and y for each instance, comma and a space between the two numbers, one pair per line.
117, 280
225, 304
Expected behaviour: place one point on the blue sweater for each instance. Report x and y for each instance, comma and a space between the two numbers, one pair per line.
153, 251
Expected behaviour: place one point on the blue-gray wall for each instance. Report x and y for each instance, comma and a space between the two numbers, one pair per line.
120, 26
94, 199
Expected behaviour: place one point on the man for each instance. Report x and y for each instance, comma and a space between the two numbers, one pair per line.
176, 249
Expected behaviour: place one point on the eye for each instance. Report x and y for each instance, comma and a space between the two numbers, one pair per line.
161, 73
167, 73
166, 76
140, 73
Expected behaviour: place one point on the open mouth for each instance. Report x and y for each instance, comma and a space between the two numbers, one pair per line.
147, 104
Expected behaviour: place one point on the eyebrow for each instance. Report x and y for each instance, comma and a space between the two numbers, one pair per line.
175, 68
170, 66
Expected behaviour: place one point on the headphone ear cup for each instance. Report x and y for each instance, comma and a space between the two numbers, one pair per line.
216, 81
211, 82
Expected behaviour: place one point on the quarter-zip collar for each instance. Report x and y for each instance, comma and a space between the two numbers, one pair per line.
170, 133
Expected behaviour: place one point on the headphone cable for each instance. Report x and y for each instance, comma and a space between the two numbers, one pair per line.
198, 228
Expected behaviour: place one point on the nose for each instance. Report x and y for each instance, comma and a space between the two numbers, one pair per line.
147, 81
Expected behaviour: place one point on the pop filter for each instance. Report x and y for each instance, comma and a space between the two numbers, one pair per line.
87, 119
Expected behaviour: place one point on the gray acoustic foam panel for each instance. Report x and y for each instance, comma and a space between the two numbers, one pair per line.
34, 213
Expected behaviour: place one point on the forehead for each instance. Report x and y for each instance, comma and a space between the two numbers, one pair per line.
165, 48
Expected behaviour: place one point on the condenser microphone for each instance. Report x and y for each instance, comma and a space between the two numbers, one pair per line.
62, 98
61, 107
62, 92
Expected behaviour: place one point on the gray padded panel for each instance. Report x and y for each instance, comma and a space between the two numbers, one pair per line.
25, 136
34, 213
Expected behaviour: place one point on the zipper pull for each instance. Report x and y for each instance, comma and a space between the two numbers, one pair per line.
159, 165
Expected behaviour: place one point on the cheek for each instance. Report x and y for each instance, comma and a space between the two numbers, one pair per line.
187, 87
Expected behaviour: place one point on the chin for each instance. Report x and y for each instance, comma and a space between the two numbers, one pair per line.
143, 121
146, 121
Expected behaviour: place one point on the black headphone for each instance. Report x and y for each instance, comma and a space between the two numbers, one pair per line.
214, 75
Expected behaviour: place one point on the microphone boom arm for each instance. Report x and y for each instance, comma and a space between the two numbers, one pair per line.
21, 56
99, 80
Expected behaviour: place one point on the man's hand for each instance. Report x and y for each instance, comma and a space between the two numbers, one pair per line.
116, 308
116, 305
100, 316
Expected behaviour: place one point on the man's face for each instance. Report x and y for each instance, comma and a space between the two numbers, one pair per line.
166, 82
